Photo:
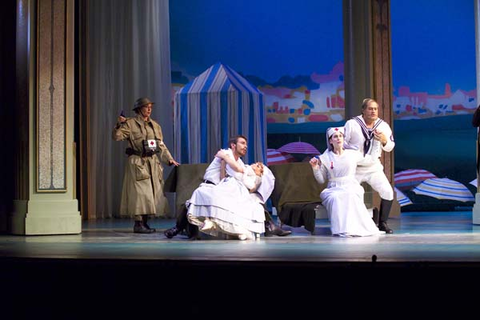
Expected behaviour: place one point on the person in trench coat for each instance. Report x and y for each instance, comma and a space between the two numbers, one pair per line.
142, 193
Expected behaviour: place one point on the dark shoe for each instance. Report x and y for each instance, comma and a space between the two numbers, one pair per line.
376, 216
383, 226
148, 227
144, 218
153, 229
140, 228
271, 229
172, 232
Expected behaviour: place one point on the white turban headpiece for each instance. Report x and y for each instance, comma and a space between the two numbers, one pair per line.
331, 131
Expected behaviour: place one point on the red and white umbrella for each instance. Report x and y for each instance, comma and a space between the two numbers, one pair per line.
277, 157
299, 147
411, 178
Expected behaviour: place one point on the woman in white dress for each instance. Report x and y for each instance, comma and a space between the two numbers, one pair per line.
230, 207
343, 197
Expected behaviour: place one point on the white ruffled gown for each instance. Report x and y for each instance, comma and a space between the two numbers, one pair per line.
344, 196
229, 208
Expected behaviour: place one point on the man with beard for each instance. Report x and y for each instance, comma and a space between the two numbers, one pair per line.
212, 177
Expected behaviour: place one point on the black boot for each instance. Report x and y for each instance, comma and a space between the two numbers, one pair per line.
140, 228
192, 232
145, 219
385, 207
376, 216
271, 229
383, 226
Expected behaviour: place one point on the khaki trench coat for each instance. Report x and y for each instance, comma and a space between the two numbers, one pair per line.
142, 192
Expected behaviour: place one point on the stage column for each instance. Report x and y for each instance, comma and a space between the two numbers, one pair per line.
476, 206
45, 199
367, 52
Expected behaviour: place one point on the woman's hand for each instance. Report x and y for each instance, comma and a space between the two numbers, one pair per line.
258, 168
315, 162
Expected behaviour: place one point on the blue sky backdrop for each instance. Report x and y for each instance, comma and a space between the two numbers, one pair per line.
268, 39
284, 42
433, 42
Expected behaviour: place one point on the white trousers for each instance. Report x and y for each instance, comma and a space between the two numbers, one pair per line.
376, 178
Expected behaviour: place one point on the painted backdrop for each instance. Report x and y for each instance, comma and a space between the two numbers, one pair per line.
292, 51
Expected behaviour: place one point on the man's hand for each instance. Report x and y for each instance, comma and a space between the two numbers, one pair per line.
380, 136
221, 154
232, 163
175, 163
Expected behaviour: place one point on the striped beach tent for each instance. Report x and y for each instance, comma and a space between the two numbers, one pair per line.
215, 106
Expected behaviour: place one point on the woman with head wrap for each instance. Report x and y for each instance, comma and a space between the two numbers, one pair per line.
343, 197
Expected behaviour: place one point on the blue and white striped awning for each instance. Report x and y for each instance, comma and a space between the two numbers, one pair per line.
215, 106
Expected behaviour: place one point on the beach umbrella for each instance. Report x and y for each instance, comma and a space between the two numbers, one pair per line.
474, 182
299, 147
277, 157
407, 179
403, 200
444, 188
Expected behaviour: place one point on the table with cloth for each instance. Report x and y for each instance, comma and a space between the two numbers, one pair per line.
296, 194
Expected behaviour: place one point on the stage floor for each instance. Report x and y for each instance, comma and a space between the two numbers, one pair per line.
418, 237
430, 264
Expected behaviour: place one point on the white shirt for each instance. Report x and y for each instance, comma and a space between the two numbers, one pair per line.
263, 192
212, 173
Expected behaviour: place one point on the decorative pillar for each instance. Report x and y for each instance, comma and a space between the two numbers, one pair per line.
45, 198
368, 71
382, 80
476, 206
357, 34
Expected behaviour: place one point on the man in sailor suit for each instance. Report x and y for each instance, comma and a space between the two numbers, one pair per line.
370, 135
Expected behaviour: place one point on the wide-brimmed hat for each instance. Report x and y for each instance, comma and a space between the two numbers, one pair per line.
141, 102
